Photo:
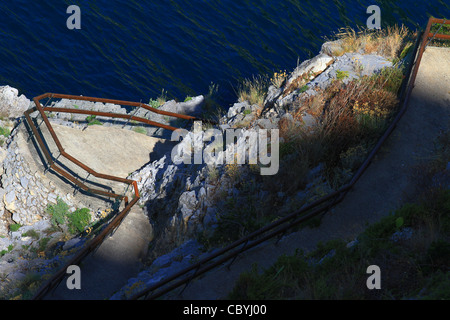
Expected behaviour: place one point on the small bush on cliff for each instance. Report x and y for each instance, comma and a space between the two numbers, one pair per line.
60, 216
58, 212
92, 120
79, 220
278, 79
154, 103
14, 227
4, 132
340, 75
254, 90
348, 116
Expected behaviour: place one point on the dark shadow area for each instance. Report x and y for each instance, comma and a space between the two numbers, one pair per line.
161, 149
110, 276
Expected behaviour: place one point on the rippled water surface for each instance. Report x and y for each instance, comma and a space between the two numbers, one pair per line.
131, 50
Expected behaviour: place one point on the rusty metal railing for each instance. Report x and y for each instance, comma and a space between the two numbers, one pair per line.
52, 165
281, 226
428, 36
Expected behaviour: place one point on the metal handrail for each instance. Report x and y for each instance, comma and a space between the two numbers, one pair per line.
96, 241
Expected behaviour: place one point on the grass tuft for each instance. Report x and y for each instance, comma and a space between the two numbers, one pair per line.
254, 90
388, 42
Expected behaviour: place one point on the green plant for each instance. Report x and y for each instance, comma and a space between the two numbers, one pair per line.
334, 271
58, 212
340, 75
441, 29
353, 157
277, 282
241, 215
79, 220
31, 233
286, 148
159, 101
253, 90
43, 243
9, 249
213, 173
304, 88
5, 132
399, 222
408, 47
141, 130
28, 285
92, 120
211, 107
188, 98
14, 227
437, 287
154, 103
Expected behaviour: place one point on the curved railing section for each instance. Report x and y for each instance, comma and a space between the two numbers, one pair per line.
53, 165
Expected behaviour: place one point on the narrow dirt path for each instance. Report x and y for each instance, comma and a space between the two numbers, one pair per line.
383, 188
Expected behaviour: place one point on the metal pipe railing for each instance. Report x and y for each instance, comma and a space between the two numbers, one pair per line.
95, 242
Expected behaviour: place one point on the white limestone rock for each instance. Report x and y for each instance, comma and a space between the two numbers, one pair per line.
11, 104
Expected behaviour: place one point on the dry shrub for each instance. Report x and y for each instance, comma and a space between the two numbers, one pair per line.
278, 79
348, 115
387, 42
287, 128
254, 90
300, 150
340, 131
300, 82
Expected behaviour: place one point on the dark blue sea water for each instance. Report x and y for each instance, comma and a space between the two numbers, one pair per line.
131, 50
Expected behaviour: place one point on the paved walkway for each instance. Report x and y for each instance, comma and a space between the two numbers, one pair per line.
384, 186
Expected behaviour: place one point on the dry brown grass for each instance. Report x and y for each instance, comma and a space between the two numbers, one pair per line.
347, 116
253, 90
388, 42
